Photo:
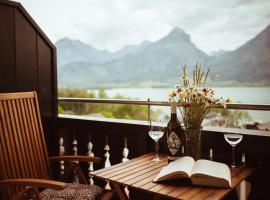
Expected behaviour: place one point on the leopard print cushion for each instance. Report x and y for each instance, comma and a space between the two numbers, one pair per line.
73, 191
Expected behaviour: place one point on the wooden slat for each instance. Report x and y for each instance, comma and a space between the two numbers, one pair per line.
179, 191
22, 136
218, 194
125, 164
148, 184
31, 139
17, 137
141, 174
12, 154
205, 192
29, 147
4, 145
190, 193
166, 190
142, 177
14, 137
145, 183
147, 180
163, 189
35, 143
38, 142
21, 95
10, 145
130, 170
42, 138
122, 169
5, 172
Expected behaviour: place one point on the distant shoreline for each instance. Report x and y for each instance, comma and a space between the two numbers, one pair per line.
143, 85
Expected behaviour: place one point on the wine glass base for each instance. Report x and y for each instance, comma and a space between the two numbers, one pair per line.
157, 159
233, 166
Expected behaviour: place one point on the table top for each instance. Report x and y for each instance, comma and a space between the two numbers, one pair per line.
139, 173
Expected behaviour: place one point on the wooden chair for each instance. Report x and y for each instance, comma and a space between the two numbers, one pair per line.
24, 162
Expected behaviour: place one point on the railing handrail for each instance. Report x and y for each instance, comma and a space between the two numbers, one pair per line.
242, 106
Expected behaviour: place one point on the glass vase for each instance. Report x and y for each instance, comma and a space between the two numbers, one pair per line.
193, 143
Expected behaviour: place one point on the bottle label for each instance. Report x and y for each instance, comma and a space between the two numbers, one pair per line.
173, 143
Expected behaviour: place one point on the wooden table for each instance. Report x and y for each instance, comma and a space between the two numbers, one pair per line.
138, 173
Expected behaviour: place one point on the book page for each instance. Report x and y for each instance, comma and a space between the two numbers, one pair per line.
206, 172
180, 168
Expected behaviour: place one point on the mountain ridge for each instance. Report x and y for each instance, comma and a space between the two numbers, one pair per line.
159, 62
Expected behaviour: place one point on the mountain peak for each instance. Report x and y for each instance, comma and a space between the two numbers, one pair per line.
146, 42
64, 39
177, 30
177, 34
67, 40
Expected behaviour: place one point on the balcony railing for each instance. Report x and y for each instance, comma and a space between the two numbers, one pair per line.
149, 103
75, 119
242, 106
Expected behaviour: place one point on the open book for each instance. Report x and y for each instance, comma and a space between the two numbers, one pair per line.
201, 172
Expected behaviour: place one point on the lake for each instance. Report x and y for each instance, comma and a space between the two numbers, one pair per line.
257, 95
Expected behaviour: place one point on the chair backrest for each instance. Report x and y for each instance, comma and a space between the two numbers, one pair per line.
23, 152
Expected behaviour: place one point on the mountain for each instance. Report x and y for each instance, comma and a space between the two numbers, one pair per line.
248, 63
69, 51
131, 49
156, 62
218, 53
76, 51
159, 62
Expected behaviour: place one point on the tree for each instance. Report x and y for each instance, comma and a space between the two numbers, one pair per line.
121, 111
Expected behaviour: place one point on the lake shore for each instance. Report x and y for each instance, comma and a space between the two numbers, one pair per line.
256, 95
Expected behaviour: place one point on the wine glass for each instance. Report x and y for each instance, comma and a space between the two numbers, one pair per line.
156, 131
232, 138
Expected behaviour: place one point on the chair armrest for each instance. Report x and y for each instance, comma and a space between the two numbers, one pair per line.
42, 183
76, 158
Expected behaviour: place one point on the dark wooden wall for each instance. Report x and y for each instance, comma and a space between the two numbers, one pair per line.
28, 61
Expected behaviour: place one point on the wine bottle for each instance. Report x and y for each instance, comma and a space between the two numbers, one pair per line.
174, 135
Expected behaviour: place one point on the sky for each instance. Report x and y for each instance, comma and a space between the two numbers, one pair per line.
112, 24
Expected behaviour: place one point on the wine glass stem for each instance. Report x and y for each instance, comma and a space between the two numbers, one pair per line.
156, 148
233, 155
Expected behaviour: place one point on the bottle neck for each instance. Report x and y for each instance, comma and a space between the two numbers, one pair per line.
173, 108
173, 116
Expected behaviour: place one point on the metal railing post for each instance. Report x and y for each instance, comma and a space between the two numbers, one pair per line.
149, 111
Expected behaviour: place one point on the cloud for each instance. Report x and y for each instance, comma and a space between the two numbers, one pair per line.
112, 24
